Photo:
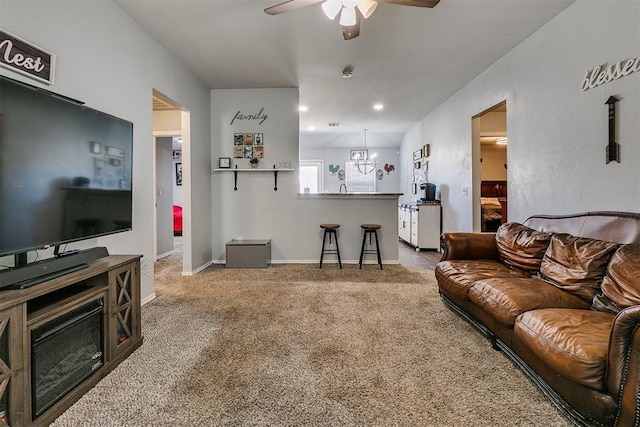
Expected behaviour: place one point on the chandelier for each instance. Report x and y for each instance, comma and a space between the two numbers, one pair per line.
361, 158
347, 10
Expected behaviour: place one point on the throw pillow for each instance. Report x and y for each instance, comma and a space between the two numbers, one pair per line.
521, 247
576, 264
620, 286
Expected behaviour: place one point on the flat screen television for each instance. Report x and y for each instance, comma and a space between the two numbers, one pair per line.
65, 170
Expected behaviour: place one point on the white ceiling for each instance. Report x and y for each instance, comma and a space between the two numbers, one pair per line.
410, 59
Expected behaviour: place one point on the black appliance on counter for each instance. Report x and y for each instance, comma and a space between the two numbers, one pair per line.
428, 192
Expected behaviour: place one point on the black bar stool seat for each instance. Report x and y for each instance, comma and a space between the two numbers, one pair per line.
370, 230
330, 230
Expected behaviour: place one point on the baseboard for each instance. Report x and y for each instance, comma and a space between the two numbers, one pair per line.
197, 270
166, 254
315, 261
148, 299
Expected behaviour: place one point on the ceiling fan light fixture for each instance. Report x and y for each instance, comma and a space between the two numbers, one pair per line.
331, 8
349, 4
348, 16
367, 7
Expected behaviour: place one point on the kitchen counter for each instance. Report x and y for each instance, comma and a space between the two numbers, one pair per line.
349, 195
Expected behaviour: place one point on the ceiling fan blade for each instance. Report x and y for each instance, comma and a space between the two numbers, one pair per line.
351, 31
417, 3
289, 5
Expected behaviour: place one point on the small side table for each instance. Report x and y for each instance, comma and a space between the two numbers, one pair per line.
248, 253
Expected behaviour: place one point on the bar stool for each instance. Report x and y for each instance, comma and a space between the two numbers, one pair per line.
369, 230
330, 230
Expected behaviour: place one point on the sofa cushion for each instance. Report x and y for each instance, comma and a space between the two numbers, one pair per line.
520, 246
574, 343
576, 264
455, 277
620, 286
506, 299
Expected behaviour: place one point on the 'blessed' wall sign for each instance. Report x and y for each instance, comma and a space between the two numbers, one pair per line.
603, 74
18, 55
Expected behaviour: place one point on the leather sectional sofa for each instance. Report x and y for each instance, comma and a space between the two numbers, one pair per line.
559, 295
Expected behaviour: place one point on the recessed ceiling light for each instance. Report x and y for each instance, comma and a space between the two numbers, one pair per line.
303, 108
378, 107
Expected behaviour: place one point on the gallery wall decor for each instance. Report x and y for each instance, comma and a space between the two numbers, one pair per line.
178, 173
613, 148
417, 155
426, 150
248, 145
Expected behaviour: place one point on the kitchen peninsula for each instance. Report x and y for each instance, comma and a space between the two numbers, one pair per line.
351, 210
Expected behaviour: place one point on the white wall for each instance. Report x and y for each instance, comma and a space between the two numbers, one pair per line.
557, 133
493, 160
256, 211
116, 71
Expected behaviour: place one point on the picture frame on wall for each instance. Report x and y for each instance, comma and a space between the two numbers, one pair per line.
417, 165
238, 152
358, 154
224, 162
426, 150
417, 155
178, 174
238, 138
258, 139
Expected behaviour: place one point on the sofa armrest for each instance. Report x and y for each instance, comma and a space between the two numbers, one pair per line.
469, 246
623, 365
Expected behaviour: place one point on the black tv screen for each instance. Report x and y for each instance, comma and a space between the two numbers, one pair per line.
65, 170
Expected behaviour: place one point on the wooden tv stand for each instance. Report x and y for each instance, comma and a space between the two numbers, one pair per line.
116, 280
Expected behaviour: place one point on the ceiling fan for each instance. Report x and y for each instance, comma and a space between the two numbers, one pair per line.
347, 9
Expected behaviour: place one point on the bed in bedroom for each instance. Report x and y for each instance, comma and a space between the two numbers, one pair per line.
493, 204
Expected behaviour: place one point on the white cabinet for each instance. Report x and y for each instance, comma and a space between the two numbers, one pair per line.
420, 225
404, 223
429, 226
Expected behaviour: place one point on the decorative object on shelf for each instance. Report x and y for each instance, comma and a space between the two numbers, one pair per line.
379, 174
613, 149
389, 168
426, 150
363, 164
417, 155
341, 174
178, 173
334, 169
254, 162
224, 162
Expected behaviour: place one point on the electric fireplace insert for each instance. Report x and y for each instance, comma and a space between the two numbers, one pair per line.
64, 352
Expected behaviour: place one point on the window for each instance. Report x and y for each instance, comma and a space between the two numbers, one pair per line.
358, 182
311, 176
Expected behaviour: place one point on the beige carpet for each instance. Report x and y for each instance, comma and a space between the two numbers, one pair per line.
294, 345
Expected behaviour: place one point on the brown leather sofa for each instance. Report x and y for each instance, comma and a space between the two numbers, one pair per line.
560, 295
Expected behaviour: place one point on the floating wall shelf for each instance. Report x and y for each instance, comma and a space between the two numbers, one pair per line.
273, 171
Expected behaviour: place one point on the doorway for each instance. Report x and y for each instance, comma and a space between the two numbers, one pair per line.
171, 143
490, 168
